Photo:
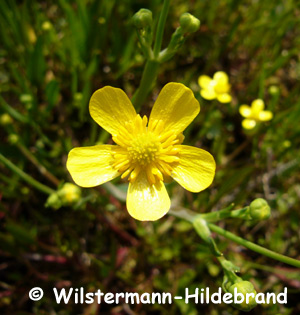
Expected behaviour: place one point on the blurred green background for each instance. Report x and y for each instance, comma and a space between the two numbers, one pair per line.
53, 56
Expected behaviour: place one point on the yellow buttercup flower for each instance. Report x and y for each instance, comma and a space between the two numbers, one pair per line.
147, 152
217, 87
254, 114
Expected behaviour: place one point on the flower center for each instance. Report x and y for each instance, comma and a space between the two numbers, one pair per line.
144, 149
147, 149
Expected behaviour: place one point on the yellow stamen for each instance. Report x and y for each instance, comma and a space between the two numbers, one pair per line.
169, 159
126, 173
150, 176
157, 173
145, 149
135, 173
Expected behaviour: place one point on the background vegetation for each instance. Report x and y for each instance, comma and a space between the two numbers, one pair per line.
53, 55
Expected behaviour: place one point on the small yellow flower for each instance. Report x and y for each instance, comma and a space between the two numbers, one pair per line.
217, 87
146, 152
254, 114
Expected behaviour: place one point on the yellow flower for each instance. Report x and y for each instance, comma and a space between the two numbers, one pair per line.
146, 152
217, 87
254, 114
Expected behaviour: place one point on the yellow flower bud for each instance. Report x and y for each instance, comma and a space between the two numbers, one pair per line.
287, 143
142, 18
66, 196
69, 193
243, 290
5, 119
46, 26
274, 90
13, 138
101, 20
31, 34
26, 98
259, 209
189, 23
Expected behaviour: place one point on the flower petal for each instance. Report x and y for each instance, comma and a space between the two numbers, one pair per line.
110, 107
92, 166
195, 170
221, 83
248, 123
147, 202
245, 111
208, 94
221, 88
221, 77
265, 115
257, 105
204, 81
224, 98
176, 106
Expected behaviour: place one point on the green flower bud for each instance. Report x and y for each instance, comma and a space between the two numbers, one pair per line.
25, 190
13, 138
54, 201
189, 23
5, 119
26, 98
239, 291
259, 209
101, 20
78, 97
142, 18
66, 196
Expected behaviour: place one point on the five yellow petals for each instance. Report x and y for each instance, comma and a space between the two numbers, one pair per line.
254, 114
217, 87
146, 152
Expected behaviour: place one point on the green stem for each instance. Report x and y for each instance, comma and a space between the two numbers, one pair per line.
161, 27
255, 247
229, 269
12, 112
224, 214
145, 45
152, 65
148, 78
38, 165
191, 215
43, 188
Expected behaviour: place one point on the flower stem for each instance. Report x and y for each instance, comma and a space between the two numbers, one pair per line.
224, 214
38, 165
152, 65
148, 78
190, 216
161, 27
43, 188
254, 247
